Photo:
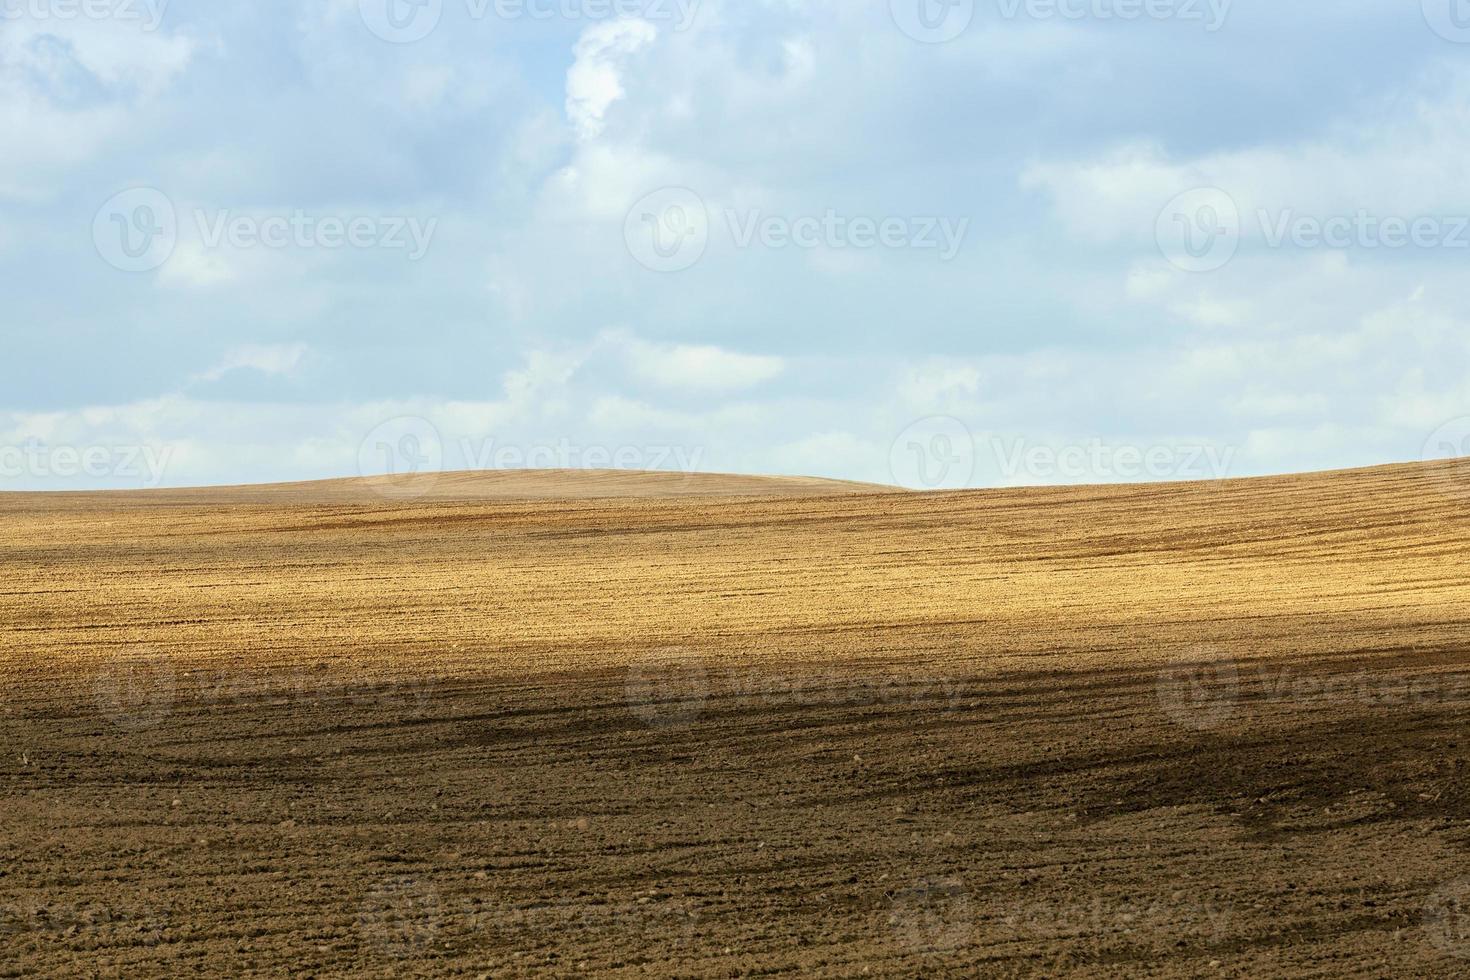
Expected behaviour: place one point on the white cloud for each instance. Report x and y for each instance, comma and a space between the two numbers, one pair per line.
787, 106
39, 141
544, 381
827, 453
192, 266
275, 359
206, 441
46, 65
617, 413
1397, 160
693, 367
1285, 403
605, 179
117, 53
595, 80
1214, 311
940, 384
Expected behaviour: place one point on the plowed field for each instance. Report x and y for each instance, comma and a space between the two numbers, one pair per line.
529, 724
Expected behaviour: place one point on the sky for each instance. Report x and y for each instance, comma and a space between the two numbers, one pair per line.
936, 243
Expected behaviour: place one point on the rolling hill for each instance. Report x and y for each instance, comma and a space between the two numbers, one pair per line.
628, 724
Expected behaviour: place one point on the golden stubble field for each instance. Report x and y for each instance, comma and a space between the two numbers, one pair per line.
610, 724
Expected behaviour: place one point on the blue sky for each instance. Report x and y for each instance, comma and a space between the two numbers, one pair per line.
932, 242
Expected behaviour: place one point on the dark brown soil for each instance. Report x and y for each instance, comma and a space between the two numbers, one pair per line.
1177, 731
